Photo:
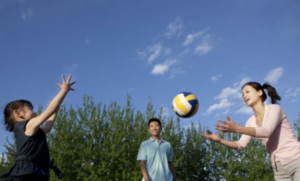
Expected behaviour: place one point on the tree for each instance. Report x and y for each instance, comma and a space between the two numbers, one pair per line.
101, 142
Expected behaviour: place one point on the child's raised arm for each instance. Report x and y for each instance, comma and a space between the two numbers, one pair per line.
33, 125
50, 121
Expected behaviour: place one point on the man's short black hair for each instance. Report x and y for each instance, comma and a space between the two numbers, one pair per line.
152, 120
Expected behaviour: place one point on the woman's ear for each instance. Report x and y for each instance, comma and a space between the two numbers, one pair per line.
260, 92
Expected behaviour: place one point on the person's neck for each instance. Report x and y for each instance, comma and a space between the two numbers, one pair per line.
259, 109
157, 138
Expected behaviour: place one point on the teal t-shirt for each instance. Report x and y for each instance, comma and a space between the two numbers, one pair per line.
157, 156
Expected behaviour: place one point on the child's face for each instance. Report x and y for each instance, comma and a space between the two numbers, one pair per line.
26, 113
154, 128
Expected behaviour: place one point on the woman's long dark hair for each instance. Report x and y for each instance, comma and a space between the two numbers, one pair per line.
271, 91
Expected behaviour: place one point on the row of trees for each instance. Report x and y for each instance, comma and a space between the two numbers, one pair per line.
95, 142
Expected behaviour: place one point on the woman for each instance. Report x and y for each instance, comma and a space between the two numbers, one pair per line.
270, 125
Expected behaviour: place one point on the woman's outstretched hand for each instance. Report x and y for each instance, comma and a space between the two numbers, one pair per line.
227, 127
211, 136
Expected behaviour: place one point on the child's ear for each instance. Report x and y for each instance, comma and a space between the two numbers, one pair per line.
17, 114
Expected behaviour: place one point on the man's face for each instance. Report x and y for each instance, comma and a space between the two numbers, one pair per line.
154, 128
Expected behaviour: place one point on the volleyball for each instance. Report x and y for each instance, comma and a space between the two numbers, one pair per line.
185, 104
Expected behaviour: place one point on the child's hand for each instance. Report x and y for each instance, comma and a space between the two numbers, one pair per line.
66, 85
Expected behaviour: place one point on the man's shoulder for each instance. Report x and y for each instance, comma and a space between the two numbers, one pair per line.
167, 143
145, 142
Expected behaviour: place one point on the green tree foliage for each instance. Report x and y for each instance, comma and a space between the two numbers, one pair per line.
252, 163
297, 127
8, 157
95, 142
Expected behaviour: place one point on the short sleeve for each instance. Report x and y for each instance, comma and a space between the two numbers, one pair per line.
170, 154
142, 155
20, 126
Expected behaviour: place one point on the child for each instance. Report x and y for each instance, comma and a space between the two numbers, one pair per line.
156, 155
269, 124
33, 160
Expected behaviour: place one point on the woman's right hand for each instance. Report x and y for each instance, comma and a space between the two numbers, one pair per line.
211, 136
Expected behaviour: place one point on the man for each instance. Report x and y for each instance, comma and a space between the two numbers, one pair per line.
156, 155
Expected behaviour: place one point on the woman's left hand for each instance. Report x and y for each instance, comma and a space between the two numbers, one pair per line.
227, 127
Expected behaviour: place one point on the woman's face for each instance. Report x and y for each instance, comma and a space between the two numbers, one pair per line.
251, 96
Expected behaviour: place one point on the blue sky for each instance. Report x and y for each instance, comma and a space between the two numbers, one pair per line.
151, 49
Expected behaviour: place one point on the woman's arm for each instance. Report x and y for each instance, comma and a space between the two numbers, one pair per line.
270, 123
213, 137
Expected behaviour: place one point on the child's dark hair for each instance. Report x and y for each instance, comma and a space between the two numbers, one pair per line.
8, 112
154, 119
271, 91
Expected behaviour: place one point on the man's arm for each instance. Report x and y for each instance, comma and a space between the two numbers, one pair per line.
144, 170
173, 171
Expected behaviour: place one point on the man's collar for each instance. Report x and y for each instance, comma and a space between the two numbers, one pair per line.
152, 139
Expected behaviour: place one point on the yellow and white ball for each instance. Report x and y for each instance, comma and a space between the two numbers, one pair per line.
185, 104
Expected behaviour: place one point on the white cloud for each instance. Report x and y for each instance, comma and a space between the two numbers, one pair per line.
229, 92
160, 69
273, 76
69, 69
173, 28
227, 97
203, 48
175, 72
142, 54
226, 111
244, 110
191, 37
242, 82
292, 93
153, 51
26, 14
216, 77
223, 104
